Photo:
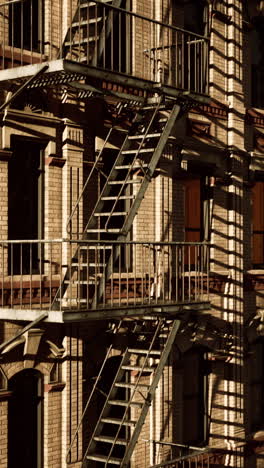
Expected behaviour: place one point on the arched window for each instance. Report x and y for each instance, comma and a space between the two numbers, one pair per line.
25, 424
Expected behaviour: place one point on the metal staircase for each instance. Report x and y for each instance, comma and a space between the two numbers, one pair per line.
119, 201
88, 31
131, 172
129, 398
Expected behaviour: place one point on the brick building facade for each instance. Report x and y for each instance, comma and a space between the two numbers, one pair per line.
131, 233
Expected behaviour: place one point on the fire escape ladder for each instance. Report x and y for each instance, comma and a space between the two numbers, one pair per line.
118, 202
126, 406
88, 31
131, 172
76, 273
126, 185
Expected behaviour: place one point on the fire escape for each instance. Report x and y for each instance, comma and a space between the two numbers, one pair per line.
151, 84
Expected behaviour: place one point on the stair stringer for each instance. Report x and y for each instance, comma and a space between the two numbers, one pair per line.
107, 460
151, 393
139, 197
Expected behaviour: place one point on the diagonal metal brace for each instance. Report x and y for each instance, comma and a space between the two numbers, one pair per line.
23, 86
24, 330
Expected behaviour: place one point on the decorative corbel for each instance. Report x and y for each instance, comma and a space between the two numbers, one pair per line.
32, 342
55, 350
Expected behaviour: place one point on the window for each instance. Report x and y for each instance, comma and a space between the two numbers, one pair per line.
257, 61
25, 25
191, 399
55, 373
258, 224
25, 203
195, 16
253, 13
192, 210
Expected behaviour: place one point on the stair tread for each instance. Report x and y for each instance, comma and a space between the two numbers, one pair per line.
131, 385
82, 41
138, 368
128, 422
115, 213
121, 182
94, 247
115, 231
91, 4
125, 403
150, 135
143, 150
81, 23
123, 197
135, 166
81, 282
110, 440
103, 458
144, 351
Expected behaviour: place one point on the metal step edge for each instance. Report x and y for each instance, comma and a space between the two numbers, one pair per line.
115, 213
130, 385
144, 150
95, 264
86, 23
94, 247
76, 301
123, 197
110, 440
81, 282
144, 351
91, 4
125, 403
80, 265
138, 368
110, 231
87, 40
103, 459
136, 166
150, 135
121, 182
129, 423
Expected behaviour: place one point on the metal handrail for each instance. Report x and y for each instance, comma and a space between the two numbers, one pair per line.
88, 403
127, 409
63, 279
97, 159
154, 21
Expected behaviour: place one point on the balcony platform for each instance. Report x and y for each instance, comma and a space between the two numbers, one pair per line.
72, 316
66, 72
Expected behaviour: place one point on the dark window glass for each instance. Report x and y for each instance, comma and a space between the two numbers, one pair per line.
25, 24
258, 224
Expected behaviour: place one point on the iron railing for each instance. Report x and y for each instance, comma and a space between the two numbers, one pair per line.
65, 274
104, 36
187, 456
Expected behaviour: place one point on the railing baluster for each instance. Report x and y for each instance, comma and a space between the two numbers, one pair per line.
157, 272
50, 274
30, 274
